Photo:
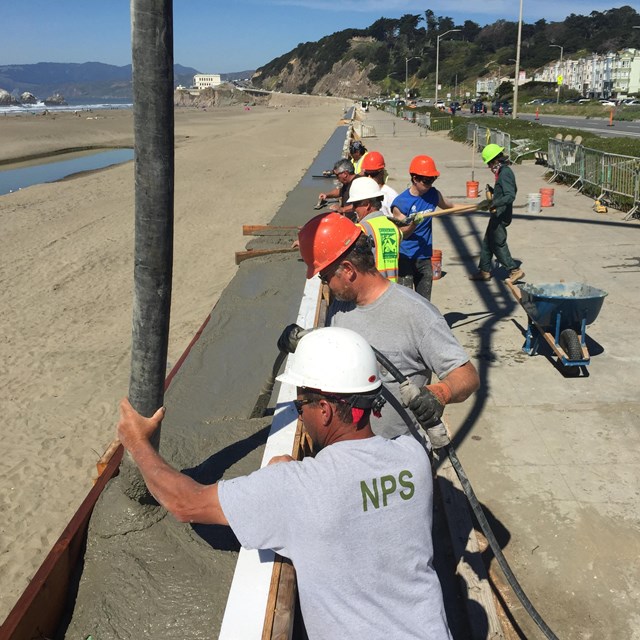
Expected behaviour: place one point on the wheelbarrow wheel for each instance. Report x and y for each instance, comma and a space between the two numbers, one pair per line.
569, 342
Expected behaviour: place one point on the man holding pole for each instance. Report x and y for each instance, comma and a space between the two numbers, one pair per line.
494, 242
415, 252
355, 519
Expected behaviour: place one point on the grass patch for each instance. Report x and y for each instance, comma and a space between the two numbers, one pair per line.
539, 134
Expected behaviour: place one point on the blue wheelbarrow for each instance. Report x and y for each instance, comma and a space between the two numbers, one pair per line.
560, 312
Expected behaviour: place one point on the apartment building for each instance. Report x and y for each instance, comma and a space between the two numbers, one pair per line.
610, 75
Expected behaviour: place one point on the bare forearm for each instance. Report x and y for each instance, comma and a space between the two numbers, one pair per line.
462, 382
186, 499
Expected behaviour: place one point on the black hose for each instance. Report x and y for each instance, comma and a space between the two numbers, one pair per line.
475, 505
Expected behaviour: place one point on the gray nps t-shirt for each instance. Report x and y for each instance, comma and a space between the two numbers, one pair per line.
411, 333
356, 523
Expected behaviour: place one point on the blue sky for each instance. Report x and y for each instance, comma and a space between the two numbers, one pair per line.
233, 35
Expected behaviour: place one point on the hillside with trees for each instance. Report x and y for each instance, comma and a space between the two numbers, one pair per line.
376, 57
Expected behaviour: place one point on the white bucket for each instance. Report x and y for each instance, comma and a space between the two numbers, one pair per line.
533, 203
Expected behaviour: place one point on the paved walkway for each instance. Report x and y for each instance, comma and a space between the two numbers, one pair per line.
555, 460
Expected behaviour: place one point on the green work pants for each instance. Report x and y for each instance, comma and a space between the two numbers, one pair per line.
495, 244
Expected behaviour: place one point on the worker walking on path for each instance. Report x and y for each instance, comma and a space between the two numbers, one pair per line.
373, 166
494, 242
415, 252
355, 519
344, 173
402, 325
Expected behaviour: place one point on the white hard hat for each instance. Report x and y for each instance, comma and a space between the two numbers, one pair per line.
333, 360
364, 188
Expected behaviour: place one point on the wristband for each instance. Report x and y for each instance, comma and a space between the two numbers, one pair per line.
441, 391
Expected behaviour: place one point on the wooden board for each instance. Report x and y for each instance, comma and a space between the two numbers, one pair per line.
267, 230
241, 256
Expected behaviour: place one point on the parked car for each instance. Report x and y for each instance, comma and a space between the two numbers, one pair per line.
607, 103
632, 101
503, 107
478, 107
440, 104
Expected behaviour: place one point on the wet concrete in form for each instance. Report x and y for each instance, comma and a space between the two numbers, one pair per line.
144, 573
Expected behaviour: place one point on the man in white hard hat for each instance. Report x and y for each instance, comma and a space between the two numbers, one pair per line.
366, 198
355, 520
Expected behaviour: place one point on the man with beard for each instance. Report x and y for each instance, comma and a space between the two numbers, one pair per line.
397, 321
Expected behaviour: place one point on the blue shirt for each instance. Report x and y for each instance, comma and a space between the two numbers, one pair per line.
420, 243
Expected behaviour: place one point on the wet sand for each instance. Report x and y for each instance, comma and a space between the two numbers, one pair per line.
66, 274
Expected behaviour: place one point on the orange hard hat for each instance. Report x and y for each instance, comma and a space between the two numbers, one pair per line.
423, 166
373, 161
324, 239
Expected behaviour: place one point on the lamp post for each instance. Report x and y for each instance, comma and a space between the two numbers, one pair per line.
560, 82
406, 74
514, 112
438, 60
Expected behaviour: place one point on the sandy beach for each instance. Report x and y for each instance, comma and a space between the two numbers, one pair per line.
66, 273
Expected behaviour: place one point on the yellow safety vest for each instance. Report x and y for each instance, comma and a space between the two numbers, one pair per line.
386, 237
357, 166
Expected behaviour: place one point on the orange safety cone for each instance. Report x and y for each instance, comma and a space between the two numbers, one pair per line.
610, 118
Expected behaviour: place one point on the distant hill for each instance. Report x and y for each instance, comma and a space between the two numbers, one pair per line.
358, 62
86, 80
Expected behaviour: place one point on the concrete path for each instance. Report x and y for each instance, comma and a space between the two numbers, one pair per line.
555, 460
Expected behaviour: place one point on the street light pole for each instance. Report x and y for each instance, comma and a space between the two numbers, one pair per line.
406, 74
438, 61
514, 112
560, 83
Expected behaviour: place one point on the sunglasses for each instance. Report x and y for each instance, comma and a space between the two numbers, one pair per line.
298, 404
328, 274
424, 179
373, 174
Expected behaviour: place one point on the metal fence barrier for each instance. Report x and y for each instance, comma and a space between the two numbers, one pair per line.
609, 175
484, 136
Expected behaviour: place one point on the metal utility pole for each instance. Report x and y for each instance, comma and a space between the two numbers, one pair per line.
438, 61
514, 112
152, 58
406, 74
560, 74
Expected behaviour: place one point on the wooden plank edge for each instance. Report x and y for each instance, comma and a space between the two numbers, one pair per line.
46, 593
482, 614
38, 611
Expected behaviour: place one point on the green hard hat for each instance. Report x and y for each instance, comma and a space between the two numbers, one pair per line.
490, 152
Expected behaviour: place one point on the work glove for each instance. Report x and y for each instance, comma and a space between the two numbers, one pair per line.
289, 338
425, 406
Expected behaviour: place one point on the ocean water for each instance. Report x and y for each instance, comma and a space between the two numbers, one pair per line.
91, 104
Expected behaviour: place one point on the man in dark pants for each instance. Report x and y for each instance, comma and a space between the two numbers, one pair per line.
415, 252
494, 242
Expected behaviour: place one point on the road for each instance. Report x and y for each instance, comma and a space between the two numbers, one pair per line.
598, 125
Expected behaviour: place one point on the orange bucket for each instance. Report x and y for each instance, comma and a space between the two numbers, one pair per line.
436, 264
472, 189
546, 197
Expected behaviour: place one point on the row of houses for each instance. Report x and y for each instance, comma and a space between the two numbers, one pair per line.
610, 75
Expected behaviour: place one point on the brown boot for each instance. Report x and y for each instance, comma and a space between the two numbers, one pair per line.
516, 274
480, 275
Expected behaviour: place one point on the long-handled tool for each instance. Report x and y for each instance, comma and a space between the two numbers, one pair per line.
241, 256
419, 216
